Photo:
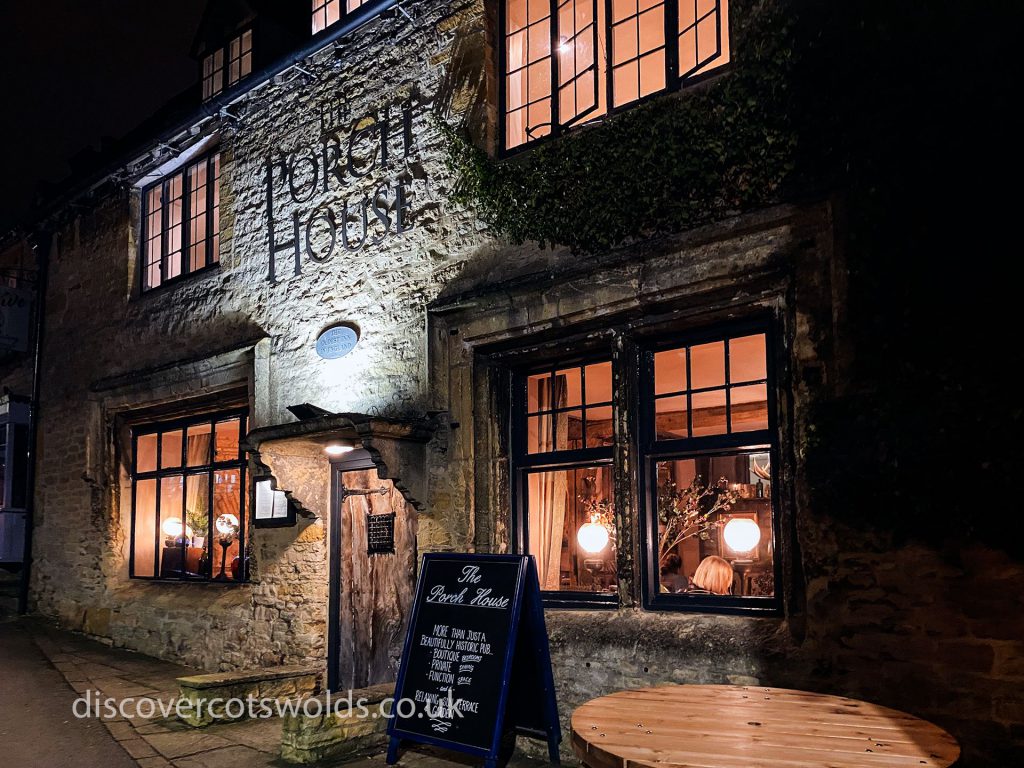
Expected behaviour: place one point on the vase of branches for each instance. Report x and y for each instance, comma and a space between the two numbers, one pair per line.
695, 510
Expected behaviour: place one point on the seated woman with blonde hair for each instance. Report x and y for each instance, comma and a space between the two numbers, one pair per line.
713, 577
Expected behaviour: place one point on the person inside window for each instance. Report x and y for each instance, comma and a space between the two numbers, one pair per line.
714, 576
671, 579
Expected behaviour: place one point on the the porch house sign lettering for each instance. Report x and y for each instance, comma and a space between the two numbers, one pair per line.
341, 223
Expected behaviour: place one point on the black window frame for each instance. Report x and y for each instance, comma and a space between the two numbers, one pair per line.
239, 463
523, 464
364, 12
674, 81
212, 160
651, 451
634, 392
226, 83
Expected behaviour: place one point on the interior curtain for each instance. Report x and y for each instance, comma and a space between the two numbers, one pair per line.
548, 494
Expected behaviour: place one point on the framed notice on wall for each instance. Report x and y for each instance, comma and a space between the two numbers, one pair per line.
476, 664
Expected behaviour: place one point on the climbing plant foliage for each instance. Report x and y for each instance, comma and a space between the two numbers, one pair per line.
680, 160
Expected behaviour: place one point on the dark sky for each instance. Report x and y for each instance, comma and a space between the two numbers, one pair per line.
76, 71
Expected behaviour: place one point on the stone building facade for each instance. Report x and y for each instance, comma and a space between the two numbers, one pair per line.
336, 206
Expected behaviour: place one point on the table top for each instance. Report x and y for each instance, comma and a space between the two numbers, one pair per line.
727, 726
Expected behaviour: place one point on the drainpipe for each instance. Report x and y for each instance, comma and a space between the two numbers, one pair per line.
41, 242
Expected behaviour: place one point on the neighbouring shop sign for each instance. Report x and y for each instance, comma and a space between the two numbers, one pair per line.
369, 153
336, 342
476, 662
15, 312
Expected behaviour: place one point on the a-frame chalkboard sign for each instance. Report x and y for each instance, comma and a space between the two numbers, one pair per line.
476, 663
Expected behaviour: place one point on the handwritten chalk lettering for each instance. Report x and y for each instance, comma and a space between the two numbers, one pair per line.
436, 642
438, 594
483, 599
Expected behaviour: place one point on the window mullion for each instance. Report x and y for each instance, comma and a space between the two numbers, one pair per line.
163, 231
672, 79
625, 479
186, 221
184, 506
689, 396
208, 245
143, 253
609, 56
242, 516
728, 392
156, 506
556, 120
210, 507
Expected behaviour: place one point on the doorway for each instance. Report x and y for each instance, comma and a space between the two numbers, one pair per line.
372, 574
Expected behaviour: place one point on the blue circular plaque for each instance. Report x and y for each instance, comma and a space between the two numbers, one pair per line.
336, 342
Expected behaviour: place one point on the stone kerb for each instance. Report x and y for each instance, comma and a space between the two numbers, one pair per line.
209, 694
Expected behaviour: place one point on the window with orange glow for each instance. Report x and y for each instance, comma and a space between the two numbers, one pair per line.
595, 55
715, 388
325, 13
569, 408
213, 74
709, 456
180, 223
328, 12
225, 66
564, 448
240, 57
188, 500
697, 442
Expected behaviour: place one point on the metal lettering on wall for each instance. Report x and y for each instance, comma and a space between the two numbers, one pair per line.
378, 142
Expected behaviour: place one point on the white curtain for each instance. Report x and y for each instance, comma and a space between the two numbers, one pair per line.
548, 494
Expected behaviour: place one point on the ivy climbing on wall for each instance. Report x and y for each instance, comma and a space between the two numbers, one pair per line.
680, 160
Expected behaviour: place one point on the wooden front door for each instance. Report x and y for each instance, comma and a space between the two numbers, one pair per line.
372, 584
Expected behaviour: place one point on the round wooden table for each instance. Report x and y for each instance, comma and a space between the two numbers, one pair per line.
727, 726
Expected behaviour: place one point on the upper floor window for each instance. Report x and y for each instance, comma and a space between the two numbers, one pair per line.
566, 62
188, 499
702, 471
218, 75
327, 12
180, 223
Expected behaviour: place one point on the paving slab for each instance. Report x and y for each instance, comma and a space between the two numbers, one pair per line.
261, 735
181, 744
228, 757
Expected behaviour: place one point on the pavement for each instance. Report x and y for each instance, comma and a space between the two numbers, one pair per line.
36, 724
44, 670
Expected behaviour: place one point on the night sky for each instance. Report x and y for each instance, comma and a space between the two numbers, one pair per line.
79, 71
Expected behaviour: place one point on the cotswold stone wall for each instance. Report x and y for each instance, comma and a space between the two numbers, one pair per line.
933, 633
112, 354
